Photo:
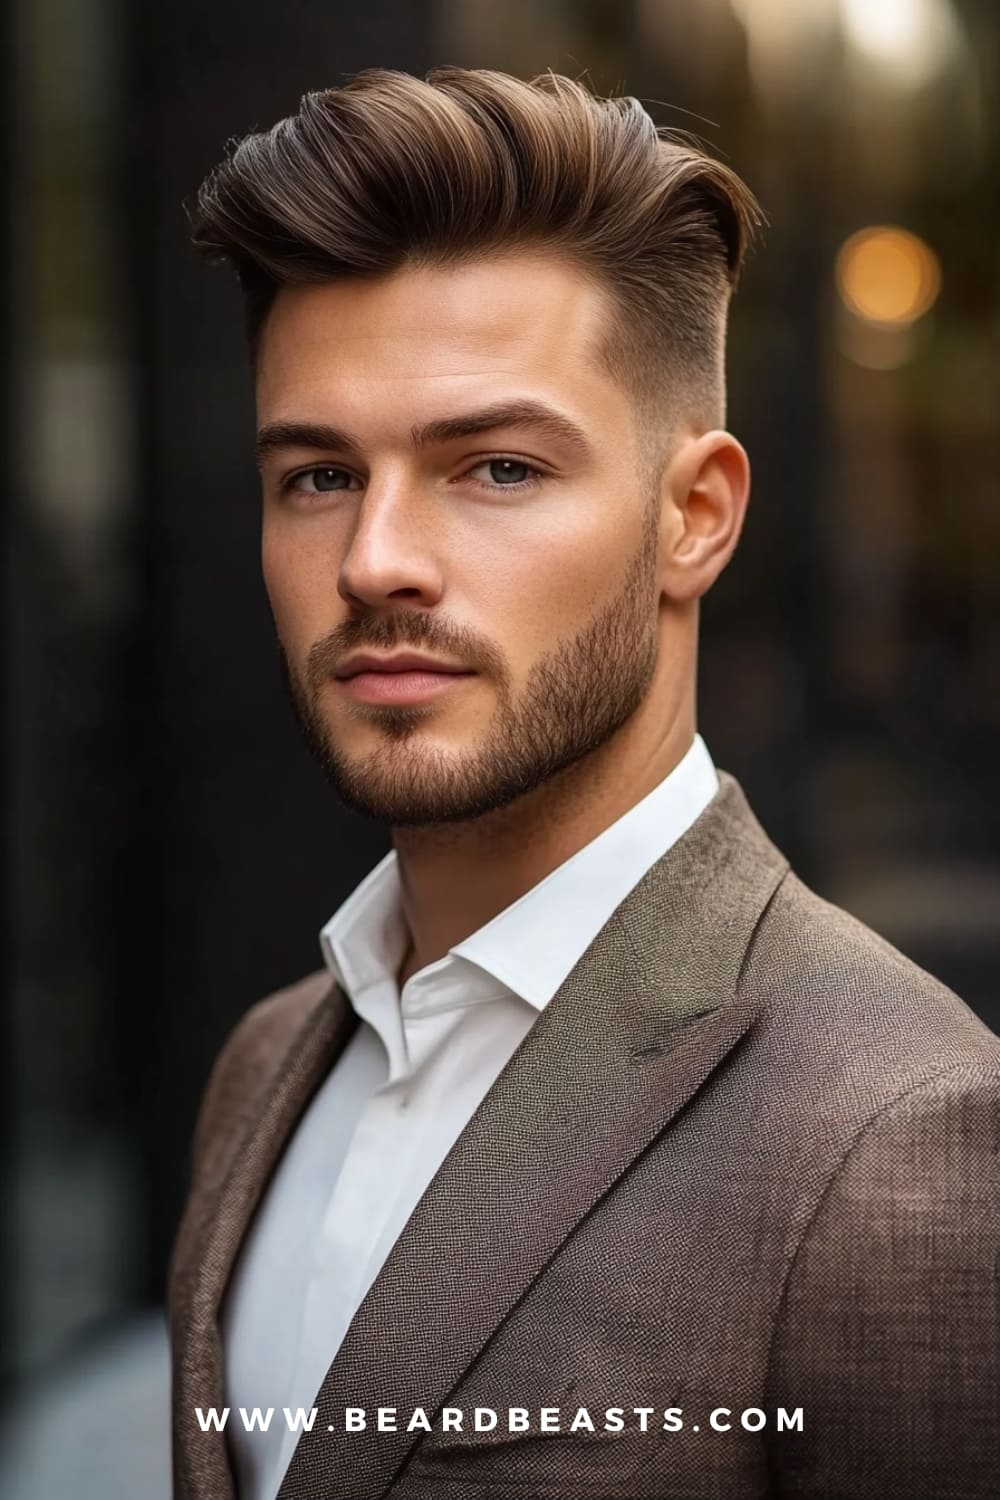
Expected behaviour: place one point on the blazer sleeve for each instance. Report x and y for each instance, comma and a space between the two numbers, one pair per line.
888, 1337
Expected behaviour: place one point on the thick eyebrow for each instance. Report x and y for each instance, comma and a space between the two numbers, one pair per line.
535, 415
520, 412
275, 436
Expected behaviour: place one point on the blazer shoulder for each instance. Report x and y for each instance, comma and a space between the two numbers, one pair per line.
275, 1018
252, 1051
850, 998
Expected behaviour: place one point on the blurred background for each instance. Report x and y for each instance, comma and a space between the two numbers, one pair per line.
171, 852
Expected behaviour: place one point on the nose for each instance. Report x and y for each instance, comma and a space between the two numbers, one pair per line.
390, 554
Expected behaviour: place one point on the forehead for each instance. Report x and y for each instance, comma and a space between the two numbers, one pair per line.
511, 324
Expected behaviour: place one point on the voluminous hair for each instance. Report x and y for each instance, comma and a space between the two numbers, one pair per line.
391, 171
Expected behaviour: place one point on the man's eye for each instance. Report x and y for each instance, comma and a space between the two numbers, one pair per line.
320, 481
507, 473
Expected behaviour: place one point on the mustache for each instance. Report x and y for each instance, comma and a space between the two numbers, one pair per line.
404, 628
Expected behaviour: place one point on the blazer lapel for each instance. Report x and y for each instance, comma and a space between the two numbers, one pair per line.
215, 1225
633, 1032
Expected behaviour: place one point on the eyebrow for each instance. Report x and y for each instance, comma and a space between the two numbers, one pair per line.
535, 415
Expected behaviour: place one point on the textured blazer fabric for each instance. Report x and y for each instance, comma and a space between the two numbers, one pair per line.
746, 1160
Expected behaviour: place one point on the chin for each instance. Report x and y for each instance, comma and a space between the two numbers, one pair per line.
412, 796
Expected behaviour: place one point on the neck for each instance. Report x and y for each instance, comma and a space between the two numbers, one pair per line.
455, 877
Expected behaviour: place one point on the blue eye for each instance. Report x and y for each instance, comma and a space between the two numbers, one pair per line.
507, 473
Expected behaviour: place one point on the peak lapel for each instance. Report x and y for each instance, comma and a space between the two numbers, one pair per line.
633, 1032
214, 1228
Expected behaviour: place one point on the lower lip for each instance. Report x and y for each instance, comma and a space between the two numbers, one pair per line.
399, 687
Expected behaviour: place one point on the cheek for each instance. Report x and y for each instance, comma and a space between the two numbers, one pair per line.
546, 587
301, 589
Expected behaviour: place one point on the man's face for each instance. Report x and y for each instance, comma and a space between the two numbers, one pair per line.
524, 554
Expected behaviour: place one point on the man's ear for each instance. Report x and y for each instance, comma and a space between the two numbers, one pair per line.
703, 499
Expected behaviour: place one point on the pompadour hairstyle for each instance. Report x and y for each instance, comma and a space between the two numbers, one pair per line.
391, 170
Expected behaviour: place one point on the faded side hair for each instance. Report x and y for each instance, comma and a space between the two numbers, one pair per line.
392, 170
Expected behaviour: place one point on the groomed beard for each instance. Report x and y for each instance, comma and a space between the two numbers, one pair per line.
576, 697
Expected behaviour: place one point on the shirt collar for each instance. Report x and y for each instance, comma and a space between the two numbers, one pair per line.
366, 939
530, 947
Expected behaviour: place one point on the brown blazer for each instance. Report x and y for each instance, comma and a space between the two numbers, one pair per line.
746, 1158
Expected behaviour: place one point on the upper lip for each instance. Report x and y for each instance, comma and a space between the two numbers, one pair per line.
402, 661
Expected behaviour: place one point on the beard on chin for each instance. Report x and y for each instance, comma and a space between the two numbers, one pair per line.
576, 697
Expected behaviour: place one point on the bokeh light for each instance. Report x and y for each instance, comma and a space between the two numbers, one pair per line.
910, 41
887, 275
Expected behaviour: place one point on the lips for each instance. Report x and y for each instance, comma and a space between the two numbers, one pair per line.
403, 662
401, 686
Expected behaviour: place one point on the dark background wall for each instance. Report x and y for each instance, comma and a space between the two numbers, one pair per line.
171, 851
248, 846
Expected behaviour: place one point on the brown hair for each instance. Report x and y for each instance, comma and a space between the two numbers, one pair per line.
391, 170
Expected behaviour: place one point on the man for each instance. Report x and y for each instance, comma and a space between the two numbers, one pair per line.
602, 1158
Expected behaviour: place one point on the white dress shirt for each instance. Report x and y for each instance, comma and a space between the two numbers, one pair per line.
398, 1097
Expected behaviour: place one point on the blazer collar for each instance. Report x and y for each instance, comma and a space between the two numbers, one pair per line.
636, 1028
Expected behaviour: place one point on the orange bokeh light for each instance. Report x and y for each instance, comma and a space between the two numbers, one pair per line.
887, 275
